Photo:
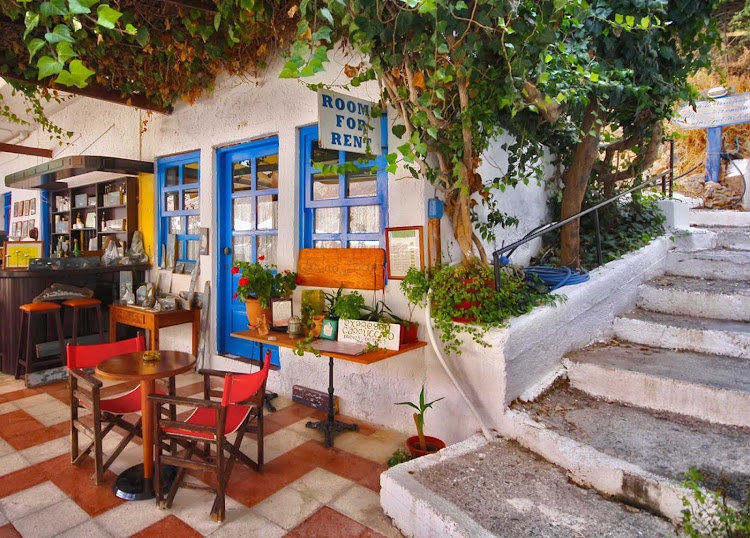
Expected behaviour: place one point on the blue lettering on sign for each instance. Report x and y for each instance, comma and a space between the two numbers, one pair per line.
340, 105
357, 141
336, 138
364, 110
327, 101
339, 119
347, 140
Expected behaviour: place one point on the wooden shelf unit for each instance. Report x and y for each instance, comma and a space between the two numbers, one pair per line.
63, 206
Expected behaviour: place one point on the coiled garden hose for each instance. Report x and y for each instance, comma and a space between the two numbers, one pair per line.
557, 277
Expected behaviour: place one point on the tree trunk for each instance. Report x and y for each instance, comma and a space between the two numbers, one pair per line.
576, 179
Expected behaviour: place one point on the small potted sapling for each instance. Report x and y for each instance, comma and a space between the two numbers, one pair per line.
415, 286
422, 444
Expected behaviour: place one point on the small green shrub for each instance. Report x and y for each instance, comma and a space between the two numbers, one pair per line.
398, 457
710, 514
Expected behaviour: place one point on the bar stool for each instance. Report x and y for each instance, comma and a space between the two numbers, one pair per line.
85, 303
27, 312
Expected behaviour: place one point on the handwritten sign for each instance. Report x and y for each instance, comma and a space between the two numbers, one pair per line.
352, 268
385, 335
346, 124
729, 110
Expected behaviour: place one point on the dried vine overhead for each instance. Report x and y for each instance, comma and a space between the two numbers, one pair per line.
147, 53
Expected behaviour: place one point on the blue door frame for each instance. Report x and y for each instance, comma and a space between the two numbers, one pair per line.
232, 316
6, 212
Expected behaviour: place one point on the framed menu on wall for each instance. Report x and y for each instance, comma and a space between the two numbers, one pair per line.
403, 248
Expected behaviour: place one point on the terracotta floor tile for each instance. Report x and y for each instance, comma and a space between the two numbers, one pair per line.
18, 394
17, 422
168, 527
9, 531
22, 431
289, 415
20, 480
369, 533
327, 523
75, 481
360, 470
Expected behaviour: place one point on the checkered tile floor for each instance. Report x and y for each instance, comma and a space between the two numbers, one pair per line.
306, 490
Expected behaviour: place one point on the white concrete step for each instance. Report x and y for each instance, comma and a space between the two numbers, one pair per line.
670, 331
717, 299
714, 388
715, 264
633, 454
735, 238
719, 217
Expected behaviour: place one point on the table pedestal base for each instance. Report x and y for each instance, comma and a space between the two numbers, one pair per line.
131, 485
331, 427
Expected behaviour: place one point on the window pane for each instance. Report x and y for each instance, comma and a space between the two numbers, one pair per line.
324, 156
325, 189
190, 173
175, 225
360, 185
327, 244
171, 201
267, 248
194, 225
242, 248
267, 171
364, 219
242, 179
243, 214
268, 212
171, 176
193, 247
190, 200
328, 220
364, 244
180, 251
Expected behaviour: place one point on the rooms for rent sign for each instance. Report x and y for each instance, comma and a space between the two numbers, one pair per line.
346, 123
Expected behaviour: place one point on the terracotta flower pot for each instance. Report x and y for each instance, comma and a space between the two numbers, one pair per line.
433, 445
409, 332
466, 305
254, 311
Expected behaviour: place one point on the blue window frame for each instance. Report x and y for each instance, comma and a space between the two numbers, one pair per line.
179, 203
341, 210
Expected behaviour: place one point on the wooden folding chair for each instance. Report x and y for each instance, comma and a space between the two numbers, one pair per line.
240, 410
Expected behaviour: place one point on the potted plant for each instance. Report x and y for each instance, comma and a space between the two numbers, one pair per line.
347, 306
415, 286
258, 285
422, 444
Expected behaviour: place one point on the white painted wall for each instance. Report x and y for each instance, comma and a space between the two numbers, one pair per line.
238, 111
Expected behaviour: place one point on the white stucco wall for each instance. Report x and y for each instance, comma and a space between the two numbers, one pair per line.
239, 111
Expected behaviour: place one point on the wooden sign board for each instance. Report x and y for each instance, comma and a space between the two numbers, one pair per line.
352, 268
385, 335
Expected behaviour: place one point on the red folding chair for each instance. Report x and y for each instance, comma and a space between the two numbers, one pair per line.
240, 410
107, 412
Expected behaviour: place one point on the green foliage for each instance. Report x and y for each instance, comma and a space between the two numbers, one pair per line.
709, 514
415, 286
467, 292
344, 306
399, 456
260, 282
421, 406
625, 226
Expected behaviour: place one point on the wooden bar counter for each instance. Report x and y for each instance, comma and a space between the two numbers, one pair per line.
20, 286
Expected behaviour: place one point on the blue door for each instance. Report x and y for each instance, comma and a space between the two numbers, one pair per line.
248, 200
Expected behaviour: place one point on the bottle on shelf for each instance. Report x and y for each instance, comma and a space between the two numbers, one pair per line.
104, 222
59, 247
76, 251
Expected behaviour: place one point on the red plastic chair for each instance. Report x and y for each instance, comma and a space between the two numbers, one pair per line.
107, 412
211, 422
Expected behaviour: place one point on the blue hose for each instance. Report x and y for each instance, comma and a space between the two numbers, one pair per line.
556, 277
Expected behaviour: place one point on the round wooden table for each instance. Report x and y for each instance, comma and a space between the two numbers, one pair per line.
136, 483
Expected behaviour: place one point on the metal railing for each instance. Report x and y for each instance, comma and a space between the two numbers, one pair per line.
667, 182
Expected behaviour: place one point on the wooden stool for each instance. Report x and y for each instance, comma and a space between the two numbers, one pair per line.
83, 304
27, 311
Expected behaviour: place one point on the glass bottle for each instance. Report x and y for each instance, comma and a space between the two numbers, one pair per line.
76, 252
104, 222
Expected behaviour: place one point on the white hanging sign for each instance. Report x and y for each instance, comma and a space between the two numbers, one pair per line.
346, 124
728, 110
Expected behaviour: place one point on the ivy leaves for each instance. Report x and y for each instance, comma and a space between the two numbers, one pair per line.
63, 24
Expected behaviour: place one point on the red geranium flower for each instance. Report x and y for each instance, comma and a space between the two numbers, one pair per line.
298, 280
243, 281
261, 258
235, 270
234, 296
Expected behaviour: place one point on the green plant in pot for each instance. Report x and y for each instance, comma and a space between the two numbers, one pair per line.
345, 306
257, 285
422, 444
415, 286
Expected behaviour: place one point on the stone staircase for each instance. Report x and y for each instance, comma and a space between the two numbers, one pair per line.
671, 392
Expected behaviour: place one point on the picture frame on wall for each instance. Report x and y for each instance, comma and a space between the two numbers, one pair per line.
15, 209
403, 247
330, 328
24, 229
22, 212
32, 206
